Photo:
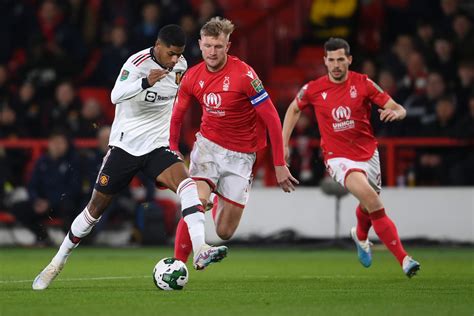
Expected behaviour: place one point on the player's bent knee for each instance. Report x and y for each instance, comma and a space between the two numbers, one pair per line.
225, 233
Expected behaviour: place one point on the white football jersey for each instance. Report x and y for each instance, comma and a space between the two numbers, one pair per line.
142, 117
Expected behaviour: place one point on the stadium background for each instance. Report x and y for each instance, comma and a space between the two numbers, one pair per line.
59, 60
290, 255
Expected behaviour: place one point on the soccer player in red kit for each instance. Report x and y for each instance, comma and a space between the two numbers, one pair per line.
342, 104
237, 111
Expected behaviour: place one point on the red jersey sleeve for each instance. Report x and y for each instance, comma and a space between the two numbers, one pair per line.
265, 109
181, 104
375, 93
302, 97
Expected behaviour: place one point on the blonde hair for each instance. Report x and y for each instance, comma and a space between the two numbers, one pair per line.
217, 26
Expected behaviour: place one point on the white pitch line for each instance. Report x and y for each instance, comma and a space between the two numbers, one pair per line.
81, 279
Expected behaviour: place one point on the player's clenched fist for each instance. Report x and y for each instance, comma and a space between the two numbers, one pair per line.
156, 75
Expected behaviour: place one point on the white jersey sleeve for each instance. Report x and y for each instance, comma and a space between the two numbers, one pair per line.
128, 83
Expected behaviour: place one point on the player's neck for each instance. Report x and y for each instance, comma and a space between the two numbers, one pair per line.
338, 81
154, 57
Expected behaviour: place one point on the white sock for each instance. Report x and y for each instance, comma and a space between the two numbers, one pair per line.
81, 227
195, 224
187, 192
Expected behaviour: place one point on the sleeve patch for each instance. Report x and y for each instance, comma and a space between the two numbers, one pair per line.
124, 75
302, 92
257, 85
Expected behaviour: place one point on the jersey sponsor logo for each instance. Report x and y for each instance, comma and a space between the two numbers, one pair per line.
249, 74
342, 115
152, 96
124, 75
179, 76
324, 95
103, 180
257, 85
353, 92
226, 83
213, 102
201, 84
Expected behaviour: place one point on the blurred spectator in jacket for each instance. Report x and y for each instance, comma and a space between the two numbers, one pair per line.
145, 32
65, 110
54, 188
434, 164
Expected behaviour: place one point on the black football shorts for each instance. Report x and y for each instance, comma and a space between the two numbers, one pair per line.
119, 167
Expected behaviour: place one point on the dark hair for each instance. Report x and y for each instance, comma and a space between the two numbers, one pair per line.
335, 43
172, 35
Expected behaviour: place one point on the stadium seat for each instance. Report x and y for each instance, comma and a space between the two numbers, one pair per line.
232, 4
102, 96
286, 75
265, 4
7, 218
311, 60
243, 17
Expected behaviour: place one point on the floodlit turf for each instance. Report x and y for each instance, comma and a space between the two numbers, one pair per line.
248, 282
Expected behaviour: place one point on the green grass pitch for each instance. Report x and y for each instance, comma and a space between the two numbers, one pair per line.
99, 281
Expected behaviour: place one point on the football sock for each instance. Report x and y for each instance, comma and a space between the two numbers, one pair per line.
363, 223
387, 232
81, 227
182, 244
193, 212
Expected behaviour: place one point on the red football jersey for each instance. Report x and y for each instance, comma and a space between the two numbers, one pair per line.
227, 98
343, 114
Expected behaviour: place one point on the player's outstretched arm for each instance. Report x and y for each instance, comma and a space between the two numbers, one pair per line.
266, 110
181, 105
392, 111
291, 117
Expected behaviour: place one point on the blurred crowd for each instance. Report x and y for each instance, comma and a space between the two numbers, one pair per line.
421, 52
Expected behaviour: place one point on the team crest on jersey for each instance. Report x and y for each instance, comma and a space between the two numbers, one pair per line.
179, 76
103, 179
226, 84
353, 92
342, 116
124, 75
257, 85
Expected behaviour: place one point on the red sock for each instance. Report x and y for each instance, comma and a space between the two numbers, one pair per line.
387, 232
214, 208
363, 223
182, 243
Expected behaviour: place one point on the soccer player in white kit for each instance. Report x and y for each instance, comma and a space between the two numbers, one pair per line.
144, 94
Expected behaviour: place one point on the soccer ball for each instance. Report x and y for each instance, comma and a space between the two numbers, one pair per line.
170, 274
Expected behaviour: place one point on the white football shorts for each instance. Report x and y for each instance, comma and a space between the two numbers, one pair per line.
339, 169
229, 173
